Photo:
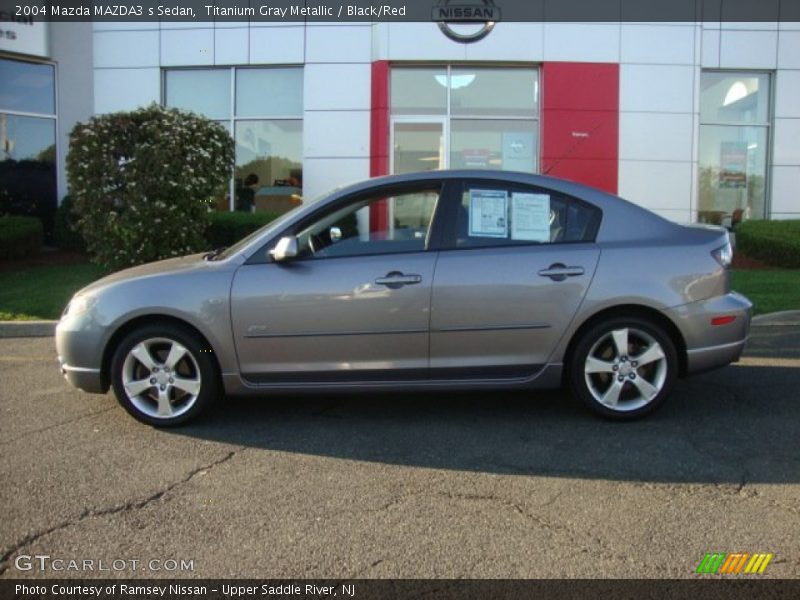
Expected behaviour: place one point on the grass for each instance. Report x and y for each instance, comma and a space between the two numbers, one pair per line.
42, 292
769, 290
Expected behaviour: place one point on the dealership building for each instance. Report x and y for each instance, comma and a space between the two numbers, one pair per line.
697, 121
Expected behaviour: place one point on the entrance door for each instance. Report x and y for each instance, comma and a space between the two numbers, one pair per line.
418, 145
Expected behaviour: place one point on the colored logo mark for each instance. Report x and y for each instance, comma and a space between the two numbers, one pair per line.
732, 564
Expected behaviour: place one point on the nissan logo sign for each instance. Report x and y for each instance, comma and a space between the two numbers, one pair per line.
482, 12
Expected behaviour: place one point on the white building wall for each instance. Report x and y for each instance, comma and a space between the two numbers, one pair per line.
658, 117
336, 127
660, 65
71, 44
786, 148
126, 65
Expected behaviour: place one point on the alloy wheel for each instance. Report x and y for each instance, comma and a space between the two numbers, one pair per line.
625, 369
161, 378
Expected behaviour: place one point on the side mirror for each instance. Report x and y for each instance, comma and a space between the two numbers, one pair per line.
285, 249
336, 234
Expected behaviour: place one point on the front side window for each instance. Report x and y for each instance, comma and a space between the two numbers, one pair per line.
490, 215
734, 137
378, 224
262, 108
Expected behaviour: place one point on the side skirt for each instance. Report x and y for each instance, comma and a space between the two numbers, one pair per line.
544, 377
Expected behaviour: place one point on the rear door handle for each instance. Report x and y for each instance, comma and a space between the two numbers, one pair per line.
396, 279
559, 272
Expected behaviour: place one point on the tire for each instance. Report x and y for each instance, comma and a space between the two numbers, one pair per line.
613, 383
164, 375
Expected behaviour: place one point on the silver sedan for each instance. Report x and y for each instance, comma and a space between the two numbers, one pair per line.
428, 281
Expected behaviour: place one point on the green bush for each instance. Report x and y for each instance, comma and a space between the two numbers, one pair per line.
776, 243
142, 182
225, 229
65, 235
20, 236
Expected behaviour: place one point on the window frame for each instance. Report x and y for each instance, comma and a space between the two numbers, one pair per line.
233, 118
22, 113
454, 203
448, 117
433, 241
52, 117
765, 125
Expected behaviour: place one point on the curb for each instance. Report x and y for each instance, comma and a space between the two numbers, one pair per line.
21, 329
782, 318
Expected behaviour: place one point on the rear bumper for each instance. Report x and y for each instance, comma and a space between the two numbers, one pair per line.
710, 346
705, 359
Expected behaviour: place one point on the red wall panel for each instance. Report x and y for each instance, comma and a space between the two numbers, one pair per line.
580, 123
379, 138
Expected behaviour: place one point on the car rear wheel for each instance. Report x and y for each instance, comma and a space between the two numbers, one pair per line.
624, 368
163, 375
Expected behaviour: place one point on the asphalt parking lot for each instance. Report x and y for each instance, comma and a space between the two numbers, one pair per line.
476, 485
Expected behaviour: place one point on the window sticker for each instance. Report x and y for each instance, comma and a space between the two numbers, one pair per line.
530, 217
488, 213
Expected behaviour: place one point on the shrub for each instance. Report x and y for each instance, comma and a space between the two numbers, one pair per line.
142, 182
225, 229
65, 235
20, 236
776, 243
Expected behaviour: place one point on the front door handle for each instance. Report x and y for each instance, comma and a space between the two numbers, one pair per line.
396, 280
559, 272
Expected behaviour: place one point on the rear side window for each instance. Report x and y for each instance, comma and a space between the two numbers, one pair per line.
492, 215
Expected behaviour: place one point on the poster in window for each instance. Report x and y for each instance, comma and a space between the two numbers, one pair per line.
518, 151
488, 213
530, 217
476, 158
733, 165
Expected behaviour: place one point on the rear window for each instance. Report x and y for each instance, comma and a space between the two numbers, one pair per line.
492, 215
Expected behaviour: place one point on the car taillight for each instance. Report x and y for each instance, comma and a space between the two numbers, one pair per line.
724, 255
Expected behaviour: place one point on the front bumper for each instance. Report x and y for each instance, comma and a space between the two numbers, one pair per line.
88, 380
710, 346
80, 355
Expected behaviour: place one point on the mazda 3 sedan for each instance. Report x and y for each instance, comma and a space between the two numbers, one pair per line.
428, 281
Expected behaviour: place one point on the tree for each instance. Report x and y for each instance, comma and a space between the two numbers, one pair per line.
142, 182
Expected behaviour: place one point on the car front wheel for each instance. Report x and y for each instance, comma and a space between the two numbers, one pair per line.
624, 368
163, 375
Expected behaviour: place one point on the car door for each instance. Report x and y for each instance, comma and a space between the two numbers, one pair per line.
514, 267
353, 305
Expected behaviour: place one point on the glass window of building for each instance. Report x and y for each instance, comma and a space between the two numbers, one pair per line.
464, 117
262, 108
28, 140
734, 138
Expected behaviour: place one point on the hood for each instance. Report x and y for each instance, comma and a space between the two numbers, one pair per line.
169, 266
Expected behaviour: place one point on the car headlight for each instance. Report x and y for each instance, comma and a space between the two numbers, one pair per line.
79, 305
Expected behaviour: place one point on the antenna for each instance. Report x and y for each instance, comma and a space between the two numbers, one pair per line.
581, 139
